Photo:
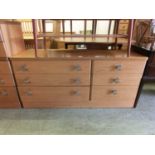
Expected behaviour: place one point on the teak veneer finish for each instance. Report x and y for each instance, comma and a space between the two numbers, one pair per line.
6, 80
5, 67
2, 50
69, 78
9, 98
52, 67
116, 79
54, 94
53, 79
126, 66
69, 54
122, 93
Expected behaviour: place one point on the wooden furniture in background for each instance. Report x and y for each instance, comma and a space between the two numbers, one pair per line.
120, 27
144, 35
12, 37
8, 92
123, 27
149, 74
10, 43
91, 43
27, 30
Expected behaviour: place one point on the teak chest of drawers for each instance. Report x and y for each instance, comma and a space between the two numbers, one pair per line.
49, 78
78, 82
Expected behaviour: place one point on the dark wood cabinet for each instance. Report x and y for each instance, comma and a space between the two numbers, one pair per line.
149, 73
150, 68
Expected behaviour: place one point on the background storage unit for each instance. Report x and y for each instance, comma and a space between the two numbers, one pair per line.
11, 37
11, 42
123, 27
8, 92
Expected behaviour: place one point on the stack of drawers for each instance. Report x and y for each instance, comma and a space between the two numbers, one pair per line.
115, 82
123, 27
53, 83
8, 93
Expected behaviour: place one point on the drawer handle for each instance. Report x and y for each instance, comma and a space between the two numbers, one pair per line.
2, 81
118, 67
76, 81
24, 68
29, 93
26, 81
76, 67
75, 93
116, 80
4, 93
113, 92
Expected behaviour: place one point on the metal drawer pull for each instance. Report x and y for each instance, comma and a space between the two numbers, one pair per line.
75, 92
2, 81
26, 81
76, 67
118, 67
24, 68
29, 93
116, 80
76, 81
113, 92
4, 93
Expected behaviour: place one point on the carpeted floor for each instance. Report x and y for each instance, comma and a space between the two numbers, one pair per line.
83, 121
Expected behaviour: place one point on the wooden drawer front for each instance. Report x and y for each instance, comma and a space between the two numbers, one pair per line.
6, 80
51, 94
53, 79
8, 97
118, 66
114, 93
52, 66
73, 104
2, 50
114, 79
4, 67
123, 26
